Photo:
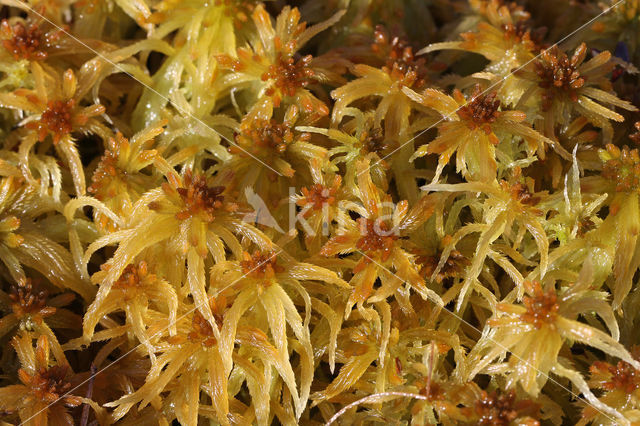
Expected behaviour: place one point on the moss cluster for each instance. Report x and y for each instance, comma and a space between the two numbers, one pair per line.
311, 212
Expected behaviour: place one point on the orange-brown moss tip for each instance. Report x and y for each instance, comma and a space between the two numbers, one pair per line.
400, 62
59, 113
622, 167
559, 73
25, 40
501, 409
193, 197
268, 141
29, 300
480, 111
202, 331
622, 376
470, 128
261, 266
453, 267
319, 196
198, 197
288, 75
542, 307
45, 389
620, 384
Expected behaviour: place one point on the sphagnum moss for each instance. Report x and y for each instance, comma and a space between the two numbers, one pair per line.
242, 212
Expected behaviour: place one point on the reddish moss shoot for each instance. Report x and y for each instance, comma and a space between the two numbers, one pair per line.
542, 307
27, 299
